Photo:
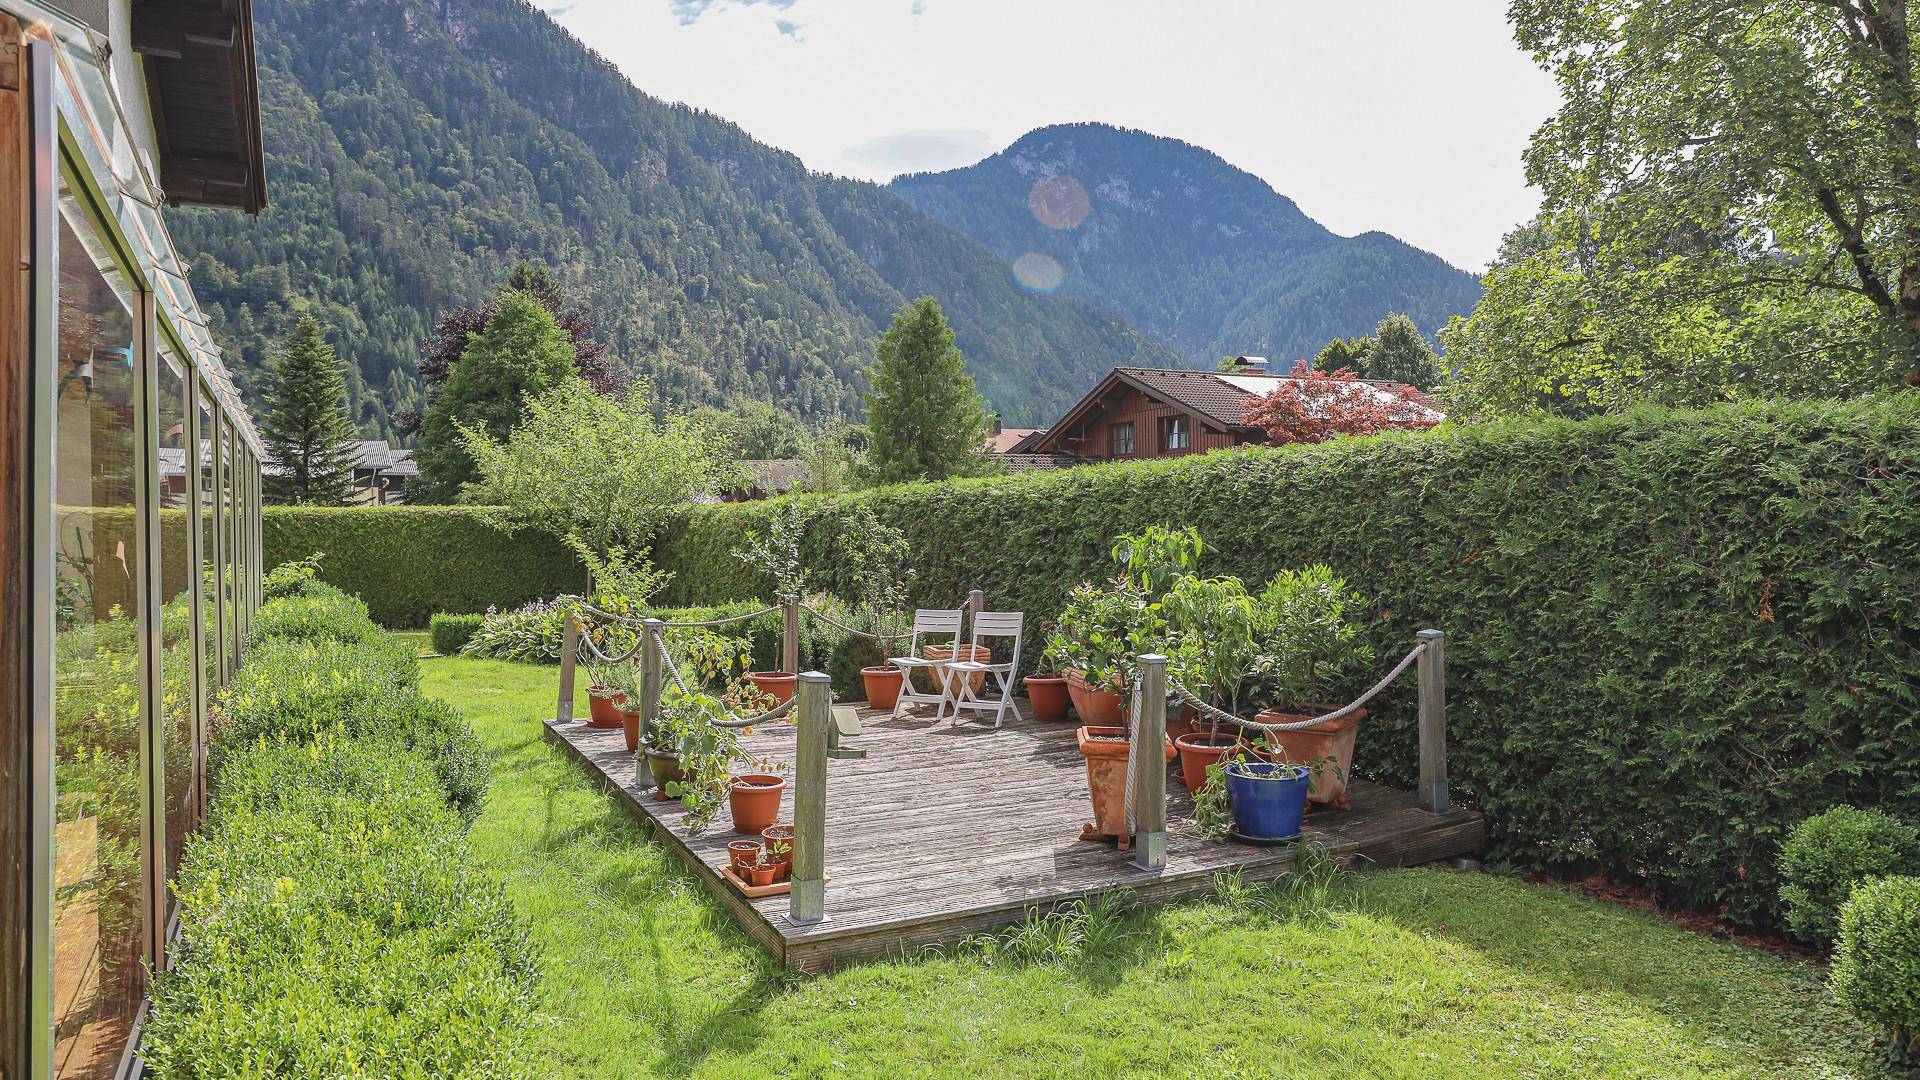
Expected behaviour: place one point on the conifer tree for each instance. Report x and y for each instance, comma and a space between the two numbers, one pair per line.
926, 419
310, 439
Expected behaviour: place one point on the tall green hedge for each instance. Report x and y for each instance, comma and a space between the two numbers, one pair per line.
408, 562
1671, 635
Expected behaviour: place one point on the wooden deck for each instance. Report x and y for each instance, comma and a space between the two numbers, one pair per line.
941, 833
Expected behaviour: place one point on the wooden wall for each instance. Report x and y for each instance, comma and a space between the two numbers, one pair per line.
1145, 413
15, 710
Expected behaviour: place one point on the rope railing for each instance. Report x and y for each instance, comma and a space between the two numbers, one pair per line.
1218, 715
732, 722
636, 623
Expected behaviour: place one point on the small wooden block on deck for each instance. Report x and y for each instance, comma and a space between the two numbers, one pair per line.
943, 832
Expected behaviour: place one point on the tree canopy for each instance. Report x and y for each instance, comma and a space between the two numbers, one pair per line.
1731, 209
1397, 352
309, 437
924, 417
520, 353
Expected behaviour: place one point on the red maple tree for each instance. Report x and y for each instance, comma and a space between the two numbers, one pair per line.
1313, 406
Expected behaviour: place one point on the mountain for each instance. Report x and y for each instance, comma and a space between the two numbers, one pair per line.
1201, 256
417, 148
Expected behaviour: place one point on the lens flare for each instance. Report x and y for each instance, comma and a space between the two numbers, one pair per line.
1059, 202
1038, 273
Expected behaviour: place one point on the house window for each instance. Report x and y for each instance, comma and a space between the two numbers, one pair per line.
1120, 439
1174, 433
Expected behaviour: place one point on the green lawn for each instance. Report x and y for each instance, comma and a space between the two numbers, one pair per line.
1393, 973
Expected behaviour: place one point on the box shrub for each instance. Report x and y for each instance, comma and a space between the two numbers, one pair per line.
1876, 967
1826, 855
317, 613
450, 633
332, 924
1671, 635
408, 562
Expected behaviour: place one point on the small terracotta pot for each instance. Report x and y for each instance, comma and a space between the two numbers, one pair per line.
975, 680
630, 726
754, 801
1326, 749
760, 875
1048, 696
883, 685
744, 854
603, 706
1097, 708
1198, 749
774, 836
1105, 749
665, 766
778, 685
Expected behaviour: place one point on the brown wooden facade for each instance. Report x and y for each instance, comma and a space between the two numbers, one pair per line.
1121, 421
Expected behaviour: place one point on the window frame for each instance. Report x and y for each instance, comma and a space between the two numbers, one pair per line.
1113, 439
1178, 426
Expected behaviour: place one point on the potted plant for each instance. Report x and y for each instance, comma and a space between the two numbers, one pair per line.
775, 556
762, 873
779, 844
742, 855
1096, 636
1268, 799
663, 760
708, 754
1105, 749
1212, 651
1046, 687
606, 695
1308, 643
753, 798
881, 560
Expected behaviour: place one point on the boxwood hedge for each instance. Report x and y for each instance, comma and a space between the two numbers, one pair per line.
1671, 635
408, 562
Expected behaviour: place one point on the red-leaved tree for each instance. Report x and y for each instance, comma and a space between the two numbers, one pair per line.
1313, 406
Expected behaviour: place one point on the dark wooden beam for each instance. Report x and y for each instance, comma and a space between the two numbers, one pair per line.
193, 172
165, 30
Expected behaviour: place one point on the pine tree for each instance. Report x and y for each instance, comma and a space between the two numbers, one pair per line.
521, 352
926, 418
309, 437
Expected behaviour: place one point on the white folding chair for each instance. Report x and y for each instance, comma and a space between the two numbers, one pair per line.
932, 622
999, 625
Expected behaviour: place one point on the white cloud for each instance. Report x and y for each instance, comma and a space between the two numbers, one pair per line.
689, 11
922, 151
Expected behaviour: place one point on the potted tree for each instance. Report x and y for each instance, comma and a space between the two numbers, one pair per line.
774, 555
1212, 651
1046, 687
1308, 643
1096, 636
881, 560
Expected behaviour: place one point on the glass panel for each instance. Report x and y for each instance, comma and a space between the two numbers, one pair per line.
228, 523
99, 919
209, 596
176, 612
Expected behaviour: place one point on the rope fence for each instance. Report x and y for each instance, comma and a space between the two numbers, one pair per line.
1221, 715
731, 722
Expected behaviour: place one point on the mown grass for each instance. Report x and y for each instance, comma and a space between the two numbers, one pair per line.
1393, 973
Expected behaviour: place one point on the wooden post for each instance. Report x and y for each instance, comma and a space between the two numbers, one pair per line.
569, 645
790, 633
1433, 722
651, 666
807, 903
1150, 767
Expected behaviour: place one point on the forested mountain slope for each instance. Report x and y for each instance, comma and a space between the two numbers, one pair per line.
416, 148
1202, 256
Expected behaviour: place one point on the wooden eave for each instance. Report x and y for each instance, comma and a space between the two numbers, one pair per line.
205, 95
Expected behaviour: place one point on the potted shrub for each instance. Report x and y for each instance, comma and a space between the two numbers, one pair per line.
1047, 688
1268, 799
1212, 651
1105, 749
881, 561
1308, 643
708, 754
775, 556
1096, 636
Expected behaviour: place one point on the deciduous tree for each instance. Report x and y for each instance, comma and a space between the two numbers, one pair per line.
1314, 406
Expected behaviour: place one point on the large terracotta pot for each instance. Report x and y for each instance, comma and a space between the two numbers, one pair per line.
967, 652
603, 706
754, 801
1097, 708
665, 767
1105, 749
1048, 696
883, 685
1199, 749
778, 685
1325, 748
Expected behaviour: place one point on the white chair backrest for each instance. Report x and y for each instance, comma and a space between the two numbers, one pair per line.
1000, 624
938, 622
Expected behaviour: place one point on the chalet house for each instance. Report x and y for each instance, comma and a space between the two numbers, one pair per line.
1159, 412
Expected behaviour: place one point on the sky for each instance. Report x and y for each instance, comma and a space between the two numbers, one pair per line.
1407, 116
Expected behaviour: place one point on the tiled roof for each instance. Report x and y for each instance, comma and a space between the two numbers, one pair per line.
1205, 392
1004, 440
1038, 462
775, 475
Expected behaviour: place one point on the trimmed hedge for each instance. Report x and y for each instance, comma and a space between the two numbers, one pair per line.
1876, 968
1828, 854
408, 562
331, 921
1671, 635
450, 633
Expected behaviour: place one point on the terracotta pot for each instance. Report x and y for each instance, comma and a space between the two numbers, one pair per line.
1097, 708
1327, 749
665, 766
883, 685
1198, 750
774, 836
1105, 749
603, 706
743, 854
967, 652
630, 727
778, 685
754, 800
1186, 720
1048, 696
760, 875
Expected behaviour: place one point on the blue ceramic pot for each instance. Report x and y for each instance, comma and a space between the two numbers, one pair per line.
1268, 800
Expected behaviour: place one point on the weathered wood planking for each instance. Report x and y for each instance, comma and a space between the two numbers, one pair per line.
941, 833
